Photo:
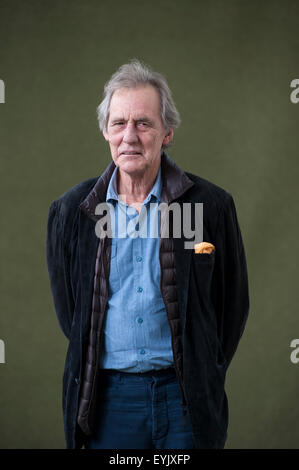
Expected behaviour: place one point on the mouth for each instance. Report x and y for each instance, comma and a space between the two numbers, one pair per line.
130, 153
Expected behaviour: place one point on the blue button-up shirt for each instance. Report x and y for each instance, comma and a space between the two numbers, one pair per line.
137, 335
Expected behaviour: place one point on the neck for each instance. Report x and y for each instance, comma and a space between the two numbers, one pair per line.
135, 188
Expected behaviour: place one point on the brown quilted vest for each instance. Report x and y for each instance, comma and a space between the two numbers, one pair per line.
175, 184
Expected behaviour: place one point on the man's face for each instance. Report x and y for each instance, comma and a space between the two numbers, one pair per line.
135, 131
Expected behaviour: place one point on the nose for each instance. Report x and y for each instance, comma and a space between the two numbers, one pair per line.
130, 134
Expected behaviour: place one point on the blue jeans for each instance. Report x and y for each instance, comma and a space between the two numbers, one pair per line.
140, 411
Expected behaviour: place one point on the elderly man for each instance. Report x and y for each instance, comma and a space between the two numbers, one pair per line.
152, 325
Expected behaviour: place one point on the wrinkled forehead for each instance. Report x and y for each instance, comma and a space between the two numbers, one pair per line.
135, 103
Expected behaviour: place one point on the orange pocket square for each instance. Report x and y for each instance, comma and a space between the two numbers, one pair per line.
204, 247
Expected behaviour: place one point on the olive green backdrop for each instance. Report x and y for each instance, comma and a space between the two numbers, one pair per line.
229, 65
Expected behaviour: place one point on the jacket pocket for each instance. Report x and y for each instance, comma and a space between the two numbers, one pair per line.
204, 266
205, 257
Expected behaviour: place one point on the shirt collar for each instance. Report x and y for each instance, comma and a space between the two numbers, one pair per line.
155, 192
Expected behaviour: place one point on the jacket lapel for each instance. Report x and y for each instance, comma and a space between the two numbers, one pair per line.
88, 245
89, 242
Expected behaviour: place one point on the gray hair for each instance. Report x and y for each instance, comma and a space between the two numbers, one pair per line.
132, 75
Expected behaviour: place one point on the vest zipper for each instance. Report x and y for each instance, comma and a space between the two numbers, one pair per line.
184, 401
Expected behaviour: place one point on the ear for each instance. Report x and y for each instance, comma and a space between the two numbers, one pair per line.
105, 135
168, 138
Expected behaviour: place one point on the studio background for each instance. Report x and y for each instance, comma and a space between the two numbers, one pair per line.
229, 65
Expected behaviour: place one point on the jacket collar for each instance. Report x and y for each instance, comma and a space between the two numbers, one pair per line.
175, 184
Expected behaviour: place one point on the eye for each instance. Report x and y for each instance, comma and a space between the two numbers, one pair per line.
142, 124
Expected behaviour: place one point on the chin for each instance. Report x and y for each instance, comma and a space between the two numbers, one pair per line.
131, 165
132, 168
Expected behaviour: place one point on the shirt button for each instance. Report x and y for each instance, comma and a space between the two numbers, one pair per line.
142, 351
140, 320
139, 289
139, 258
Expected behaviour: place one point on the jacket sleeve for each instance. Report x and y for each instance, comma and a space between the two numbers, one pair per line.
58, 268
230, 281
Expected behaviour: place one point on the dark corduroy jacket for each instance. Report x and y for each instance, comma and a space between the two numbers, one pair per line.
205, 295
